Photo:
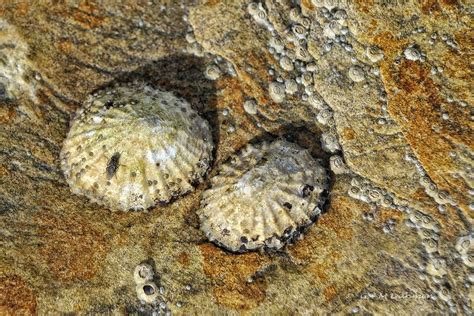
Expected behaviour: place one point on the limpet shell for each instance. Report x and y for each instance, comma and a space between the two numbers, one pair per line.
132, 146
263, 197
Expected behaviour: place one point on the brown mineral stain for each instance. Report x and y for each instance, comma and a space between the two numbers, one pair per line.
348, 133
449, 3
16, 7
364, 5
230, 272
16, 297
65, 47
338, 221
333, 227
384, 214
430, 7
232, 91
307, 4
70, 245
456, 65
330, 292
415, 102
390, 45
86, 15
183, 258
7, 113
212, 2
231, 96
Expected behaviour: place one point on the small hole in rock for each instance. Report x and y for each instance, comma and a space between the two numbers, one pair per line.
149, 290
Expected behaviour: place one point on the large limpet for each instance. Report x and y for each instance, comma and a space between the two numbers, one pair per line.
132, 146
263, 196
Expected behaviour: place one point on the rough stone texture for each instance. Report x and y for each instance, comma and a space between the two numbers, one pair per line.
61, 253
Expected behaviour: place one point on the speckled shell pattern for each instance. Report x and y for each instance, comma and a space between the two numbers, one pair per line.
132, 146
262, 196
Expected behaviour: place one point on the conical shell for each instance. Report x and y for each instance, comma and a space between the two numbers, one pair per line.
262, 196
132, 146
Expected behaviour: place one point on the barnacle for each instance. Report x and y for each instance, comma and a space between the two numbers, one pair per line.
374, 53
250, 106
263, 196
286, 63
337, 165
213, 72
132, 146
299, 31
147, 292
356, 73
277, 91
411, 53
291, 86
143, 273
307, 78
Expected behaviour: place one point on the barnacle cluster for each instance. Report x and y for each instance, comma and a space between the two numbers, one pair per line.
146, 289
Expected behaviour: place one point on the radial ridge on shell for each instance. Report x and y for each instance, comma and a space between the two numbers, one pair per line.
131, 146
263, 196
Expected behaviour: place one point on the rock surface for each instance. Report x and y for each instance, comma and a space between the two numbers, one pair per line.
390, 239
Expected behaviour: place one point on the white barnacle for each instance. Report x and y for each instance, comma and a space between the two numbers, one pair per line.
316, 101
331, 4
277, 44
190, 37
147, 292
258, 12
299, 31
291, 86
307, 78
250, 106
329, 142
374, 53
324, 116
277, 91
286, 63
213, 72
143, 273
332, 29
253, 8
411, 53
294, 14
303, 54
337, 165
305, 22
311, 67
356, 73
340, 15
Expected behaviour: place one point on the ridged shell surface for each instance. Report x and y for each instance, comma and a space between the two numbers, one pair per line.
262, 196
132, 146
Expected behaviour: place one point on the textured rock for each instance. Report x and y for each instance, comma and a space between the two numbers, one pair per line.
393, 236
